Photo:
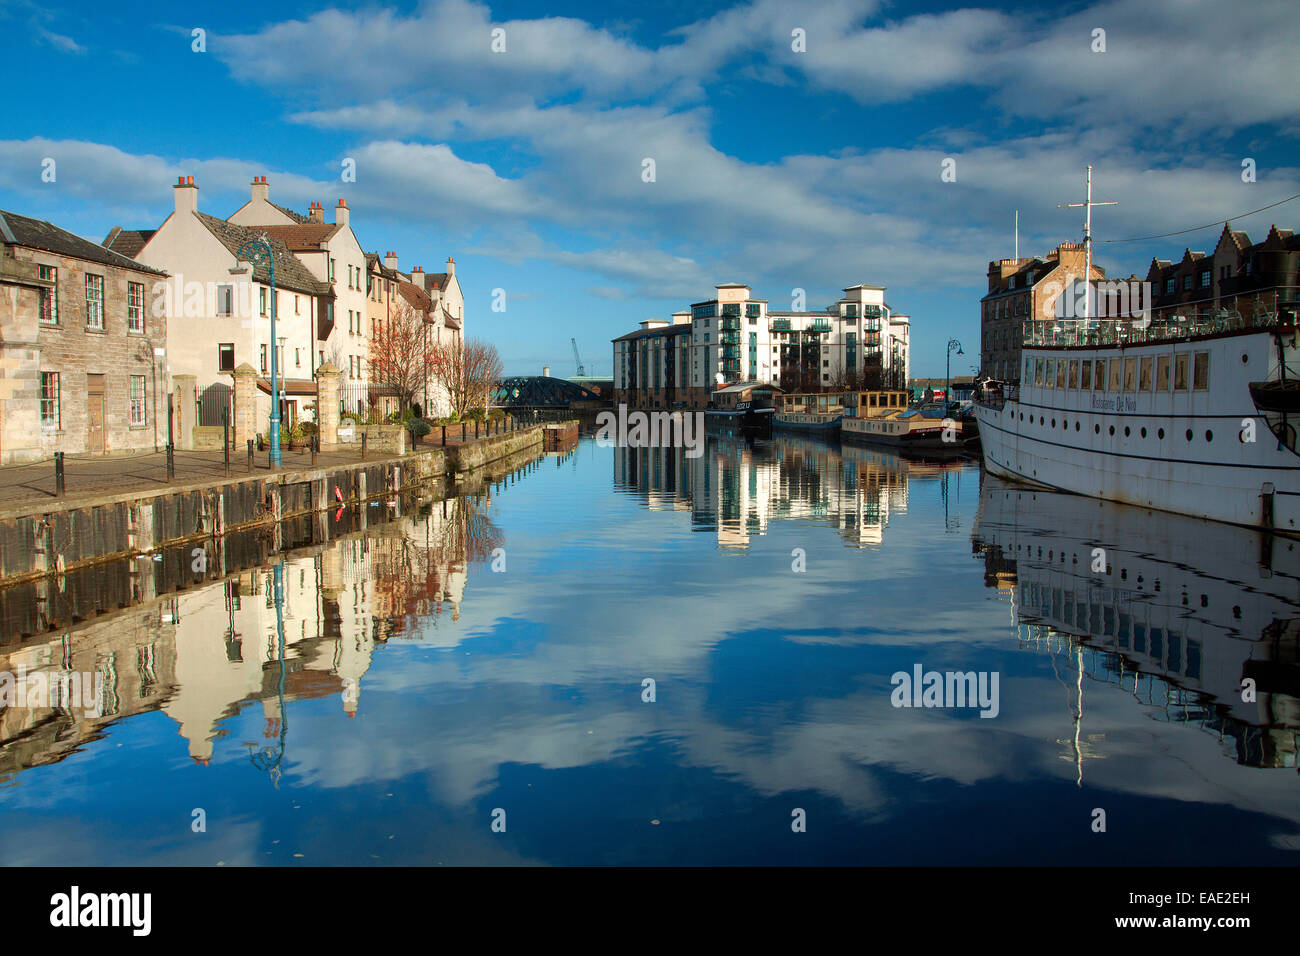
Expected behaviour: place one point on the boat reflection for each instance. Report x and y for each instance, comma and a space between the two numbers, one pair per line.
737, 486
1200, 621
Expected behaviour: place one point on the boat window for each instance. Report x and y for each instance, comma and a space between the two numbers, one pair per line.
1162, 373
1144, 376
1180, 372
1073, 380
1114, 374
1038, 371
1060, 373
1029, 369
1201, 371
1099, 382
1130, 374
1085, 375
1049, 376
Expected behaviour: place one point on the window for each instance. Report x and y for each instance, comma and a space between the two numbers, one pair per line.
1130, 374
49, 297
1060, 373
1012, 283
1073, 380
1144, 376
1029, 369
1038, 371
297, 358
1205, 279
331, 269
225, 300
261, 298
263, 351
1169, 285
226, 357
1162, 373
1180, 372
51, 410
1085, 374
1201, 371
137, 400
135, 306
1115, 369
321, 358
94, 302
297, 301
1187, 282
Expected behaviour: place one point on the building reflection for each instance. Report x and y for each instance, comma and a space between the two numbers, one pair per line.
1180, 613
204, 653
736, 487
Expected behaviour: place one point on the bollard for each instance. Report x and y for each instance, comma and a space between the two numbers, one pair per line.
363, 446
58, 473
171, 461
250, 454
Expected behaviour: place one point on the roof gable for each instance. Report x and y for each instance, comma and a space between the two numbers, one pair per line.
22, 230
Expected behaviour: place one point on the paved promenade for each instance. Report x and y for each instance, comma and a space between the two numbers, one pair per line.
23, 487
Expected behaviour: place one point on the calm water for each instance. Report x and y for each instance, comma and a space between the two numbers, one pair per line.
381, 695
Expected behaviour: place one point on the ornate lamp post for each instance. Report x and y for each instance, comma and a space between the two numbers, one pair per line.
258, 251
953, 346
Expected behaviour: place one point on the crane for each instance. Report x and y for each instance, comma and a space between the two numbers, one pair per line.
578, 358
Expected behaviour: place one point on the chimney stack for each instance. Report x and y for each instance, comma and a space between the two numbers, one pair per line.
546, 371
186, 195
316, 213
390, 260
261, 190
451, 266
341, 215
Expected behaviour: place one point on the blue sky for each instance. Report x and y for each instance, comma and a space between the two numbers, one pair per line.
813, 170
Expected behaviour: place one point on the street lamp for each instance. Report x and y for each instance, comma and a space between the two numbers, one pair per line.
258, 251
953, 346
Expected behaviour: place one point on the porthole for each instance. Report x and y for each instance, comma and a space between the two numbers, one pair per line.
1161, 434
1112, 430
1096, 429
1144, 431
1076, 426
1244, 358
1126, 431
1209, 435
1040, 419
1189, 434
1053, 422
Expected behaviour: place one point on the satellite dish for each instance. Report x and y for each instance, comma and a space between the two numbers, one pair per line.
721, 378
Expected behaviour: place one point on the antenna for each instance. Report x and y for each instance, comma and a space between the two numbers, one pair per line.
1087, 205
1017, 237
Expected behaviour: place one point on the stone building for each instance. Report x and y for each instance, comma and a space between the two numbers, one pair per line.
1238, 276
83, 366
1021, 291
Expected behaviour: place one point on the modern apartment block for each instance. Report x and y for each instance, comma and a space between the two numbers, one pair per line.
734, 337
83, 361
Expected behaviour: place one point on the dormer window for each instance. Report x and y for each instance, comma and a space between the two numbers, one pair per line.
1012, 283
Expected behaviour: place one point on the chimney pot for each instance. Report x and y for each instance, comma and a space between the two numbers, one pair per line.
180, 180
189, 180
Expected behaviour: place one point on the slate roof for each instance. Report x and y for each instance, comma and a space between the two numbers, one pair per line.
295, 216
290, 273
681, 329
373, 261
413, 294
38, 234
304, 236
128, 242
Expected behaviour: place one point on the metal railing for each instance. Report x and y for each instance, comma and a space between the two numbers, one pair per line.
1127, 332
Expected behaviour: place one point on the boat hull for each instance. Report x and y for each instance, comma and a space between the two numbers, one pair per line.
826, 429
1207, 452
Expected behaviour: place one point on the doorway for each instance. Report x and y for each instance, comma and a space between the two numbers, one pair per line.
95, 414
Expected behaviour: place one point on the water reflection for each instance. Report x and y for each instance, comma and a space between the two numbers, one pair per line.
1175, 611
738, 486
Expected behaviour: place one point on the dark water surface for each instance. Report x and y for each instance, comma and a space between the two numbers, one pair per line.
381, 697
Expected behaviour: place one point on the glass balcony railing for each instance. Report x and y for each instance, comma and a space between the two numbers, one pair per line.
729, 323
780, 325
729, 338
820, 325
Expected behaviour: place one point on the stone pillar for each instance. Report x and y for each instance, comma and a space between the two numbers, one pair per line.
327, 403
245, 405
185, 390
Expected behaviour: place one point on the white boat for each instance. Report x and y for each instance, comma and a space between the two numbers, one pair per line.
1190, 417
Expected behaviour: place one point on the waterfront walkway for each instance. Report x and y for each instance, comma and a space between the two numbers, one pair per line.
24, 487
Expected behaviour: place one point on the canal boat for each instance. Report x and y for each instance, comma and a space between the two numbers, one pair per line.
882, 418
743, 407
813, 413
1191, 415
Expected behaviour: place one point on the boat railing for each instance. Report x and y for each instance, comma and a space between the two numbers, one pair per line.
1129, 332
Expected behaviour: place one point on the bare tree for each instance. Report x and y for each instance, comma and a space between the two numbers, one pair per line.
403, 356
467, 371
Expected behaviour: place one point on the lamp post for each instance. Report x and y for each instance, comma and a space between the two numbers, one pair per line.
953, 346
258, 251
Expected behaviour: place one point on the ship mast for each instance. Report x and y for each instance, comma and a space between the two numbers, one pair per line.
1087, 205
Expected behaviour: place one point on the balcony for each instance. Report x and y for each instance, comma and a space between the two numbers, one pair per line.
820, 325
729, 338
729, 323
731, 352
872, 312
780, 325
